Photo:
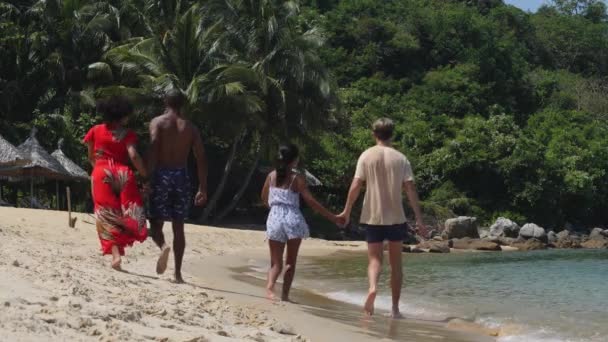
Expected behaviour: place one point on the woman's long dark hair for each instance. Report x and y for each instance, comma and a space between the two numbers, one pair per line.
114, 108
287, 154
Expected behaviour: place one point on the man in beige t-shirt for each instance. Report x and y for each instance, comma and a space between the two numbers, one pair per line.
386, 173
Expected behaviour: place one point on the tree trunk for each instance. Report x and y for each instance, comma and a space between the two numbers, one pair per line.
220, 187
237, 197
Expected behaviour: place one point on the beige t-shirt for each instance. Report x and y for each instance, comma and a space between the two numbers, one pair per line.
384, 170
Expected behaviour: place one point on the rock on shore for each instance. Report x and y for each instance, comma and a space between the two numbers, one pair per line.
460, 227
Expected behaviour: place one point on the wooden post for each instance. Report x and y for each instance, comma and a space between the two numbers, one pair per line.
71, 222
32, 189
57, 195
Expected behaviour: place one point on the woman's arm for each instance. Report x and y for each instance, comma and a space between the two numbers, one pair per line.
265, 190
91, 153
302, 188
137, 161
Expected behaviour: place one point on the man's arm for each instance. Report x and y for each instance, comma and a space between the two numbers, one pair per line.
412, 196
353, 195
201, 166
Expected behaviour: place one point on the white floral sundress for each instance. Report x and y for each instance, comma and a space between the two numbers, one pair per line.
285, 220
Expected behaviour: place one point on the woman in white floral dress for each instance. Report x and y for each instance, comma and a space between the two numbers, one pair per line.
286, 225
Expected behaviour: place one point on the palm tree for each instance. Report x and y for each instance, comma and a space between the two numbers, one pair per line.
249, 74
221, 90
294, 84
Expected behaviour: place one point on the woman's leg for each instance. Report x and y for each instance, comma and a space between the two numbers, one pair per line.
116, 258
293, 247
276, 265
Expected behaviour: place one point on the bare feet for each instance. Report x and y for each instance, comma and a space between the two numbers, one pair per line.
161, 264
179, 279
396, 314
116, 258
270, 294
288, 300
116, 261
369, 302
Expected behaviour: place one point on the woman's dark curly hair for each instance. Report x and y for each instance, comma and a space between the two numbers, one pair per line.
114, 108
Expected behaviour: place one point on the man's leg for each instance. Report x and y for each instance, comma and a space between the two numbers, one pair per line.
374, 254
395, 249
179, 245
276, 265
293, 246
156, 231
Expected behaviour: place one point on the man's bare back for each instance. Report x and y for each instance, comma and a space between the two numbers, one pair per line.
172, 138
174, 141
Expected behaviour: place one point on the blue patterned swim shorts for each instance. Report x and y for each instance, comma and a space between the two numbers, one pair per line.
171, 194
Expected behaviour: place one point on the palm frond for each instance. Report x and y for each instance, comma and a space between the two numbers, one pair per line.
100, 71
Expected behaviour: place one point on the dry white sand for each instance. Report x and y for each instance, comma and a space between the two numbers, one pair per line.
55, 286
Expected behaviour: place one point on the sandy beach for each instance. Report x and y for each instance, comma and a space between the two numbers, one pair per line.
54, 284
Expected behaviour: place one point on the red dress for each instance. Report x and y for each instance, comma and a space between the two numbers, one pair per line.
118, 203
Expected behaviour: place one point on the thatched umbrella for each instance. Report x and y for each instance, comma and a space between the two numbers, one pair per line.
10, 156
41, 164
75, 171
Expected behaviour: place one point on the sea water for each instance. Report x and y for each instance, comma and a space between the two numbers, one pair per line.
553, 295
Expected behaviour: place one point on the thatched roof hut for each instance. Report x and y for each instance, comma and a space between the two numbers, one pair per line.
10, 155
41, 163
72, 168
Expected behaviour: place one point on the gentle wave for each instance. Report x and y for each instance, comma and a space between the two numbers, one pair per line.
435, 313
419, 304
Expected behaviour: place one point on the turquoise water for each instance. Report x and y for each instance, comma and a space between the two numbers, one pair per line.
555, 295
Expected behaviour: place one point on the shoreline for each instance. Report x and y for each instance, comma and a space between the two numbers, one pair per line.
55, 284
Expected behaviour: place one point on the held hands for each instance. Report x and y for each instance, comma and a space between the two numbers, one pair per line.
201, 198
342, 220
338, 221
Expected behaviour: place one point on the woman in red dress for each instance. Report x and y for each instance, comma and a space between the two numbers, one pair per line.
118, 202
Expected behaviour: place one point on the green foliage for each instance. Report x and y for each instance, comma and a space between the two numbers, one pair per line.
501, 112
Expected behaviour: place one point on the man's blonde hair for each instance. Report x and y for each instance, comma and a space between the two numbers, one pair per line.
383, 128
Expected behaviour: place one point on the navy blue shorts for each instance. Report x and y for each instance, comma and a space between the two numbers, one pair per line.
377, 233
171, 194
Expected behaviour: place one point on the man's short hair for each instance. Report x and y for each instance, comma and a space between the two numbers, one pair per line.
175, 99
383, 129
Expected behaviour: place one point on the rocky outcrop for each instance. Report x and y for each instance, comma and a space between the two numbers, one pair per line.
503, 227
484, 234
460, 227
595, 243
435, 246
567, 241
529, 245
596, 233
475, 244
563, 234
551, 237
533, 231
412, 249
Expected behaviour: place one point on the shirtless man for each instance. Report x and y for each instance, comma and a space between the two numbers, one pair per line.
172, 139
